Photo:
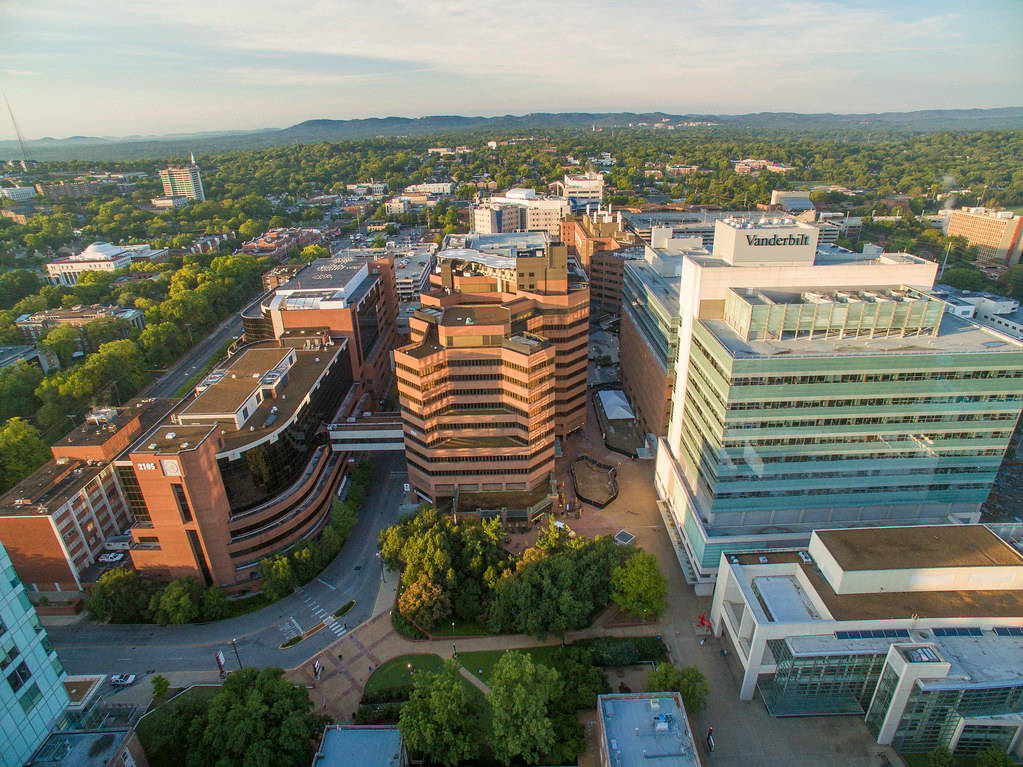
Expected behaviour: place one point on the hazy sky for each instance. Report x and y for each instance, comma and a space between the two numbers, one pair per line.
115, 67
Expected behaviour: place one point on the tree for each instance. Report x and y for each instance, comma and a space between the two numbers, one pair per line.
179, 602
214, 604
940, 757
278, 576
424, 603
249, 229
257, 718
22, 451
993, 757
638, 586
17, 390
441, 719
688, 681
521, 693
313, 252
160, 686
121, 596
64, 341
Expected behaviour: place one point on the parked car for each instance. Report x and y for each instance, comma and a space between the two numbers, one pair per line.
111, 557
122, 680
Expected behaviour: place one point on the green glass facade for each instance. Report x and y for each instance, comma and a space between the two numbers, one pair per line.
932, 716
809, 685
652, 304
790, 441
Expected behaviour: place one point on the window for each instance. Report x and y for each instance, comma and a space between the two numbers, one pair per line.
8, 652
18, 676
30, 698
182, 501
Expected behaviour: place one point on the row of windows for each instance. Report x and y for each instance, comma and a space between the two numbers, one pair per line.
869, 402
938, 487
418, 385
853, 378
887, 455
800, 423
487, 472
846, 439
532, 457
893, 472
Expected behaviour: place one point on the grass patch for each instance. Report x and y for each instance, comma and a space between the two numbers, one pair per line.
243, 605
158, 719
396, 675
292, 642
218, 355
343, 609
481, 663
459, 628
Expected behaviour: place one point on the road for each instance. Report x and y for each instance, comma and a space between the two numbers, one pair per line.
87, 648
196, 358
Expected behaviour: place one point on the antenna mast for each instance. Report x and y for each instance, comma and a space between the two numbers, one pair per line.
17, 130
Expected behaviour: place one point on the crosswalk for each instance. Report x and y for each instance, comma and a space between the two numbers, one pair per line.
329, 621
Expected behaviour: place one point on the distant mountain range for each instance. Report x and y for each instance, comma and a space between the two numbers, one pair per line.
179, 144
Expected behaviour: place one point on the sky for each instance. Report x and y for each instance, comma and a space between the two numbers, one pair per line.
119, 68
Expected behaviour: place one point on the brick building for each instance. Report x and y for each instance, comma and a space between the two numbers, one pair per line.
496, 370
352, 296
55, 522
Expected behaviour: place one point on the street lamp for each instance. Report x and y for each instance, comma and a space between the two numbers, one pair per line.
234, 644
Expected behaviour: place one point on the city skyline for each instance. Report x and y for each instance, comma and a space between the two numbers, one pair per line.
153, 69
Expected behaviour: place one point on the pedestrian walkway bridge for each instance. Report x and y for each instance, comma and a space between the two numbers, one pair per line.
380, 431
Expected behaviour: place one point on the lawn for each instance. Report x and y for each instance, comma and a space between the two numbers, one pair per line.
482, 662
395, 673
157, 719
459, 627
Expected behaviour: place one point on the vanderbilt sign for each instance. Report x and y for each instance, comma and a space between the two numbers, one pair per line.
775, 240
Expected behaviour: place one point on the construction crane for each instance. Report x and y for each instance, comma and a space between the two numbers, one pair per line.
17, 130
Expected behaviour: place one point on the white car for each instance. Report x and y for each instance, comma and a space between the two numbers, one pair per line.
122, 680
111, 557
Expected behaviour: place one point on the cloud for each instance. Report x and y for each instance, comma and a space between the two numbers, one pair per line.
21, 72
492, 57
271, 76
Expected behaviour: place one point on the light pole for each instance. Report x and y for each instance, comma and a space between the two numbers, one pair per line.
234, 644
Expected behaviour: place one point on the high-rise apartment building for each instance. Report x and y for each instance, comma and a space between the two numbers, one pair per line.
997, 234
32, 694
183, 181
495, 372
818, 389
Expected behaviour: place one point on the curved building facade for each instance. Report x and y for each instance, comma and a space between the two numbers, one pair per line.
242, 469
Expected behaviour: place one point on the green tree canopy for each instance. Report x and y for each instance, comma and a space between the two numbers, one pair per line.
179, 602
521, 694
441, 720
257, 718
22, 451
121, 596
638, 586
688, 681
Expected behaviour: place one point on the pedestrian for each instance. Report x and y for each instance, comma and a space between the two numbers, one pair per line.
702, 641
710, 740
